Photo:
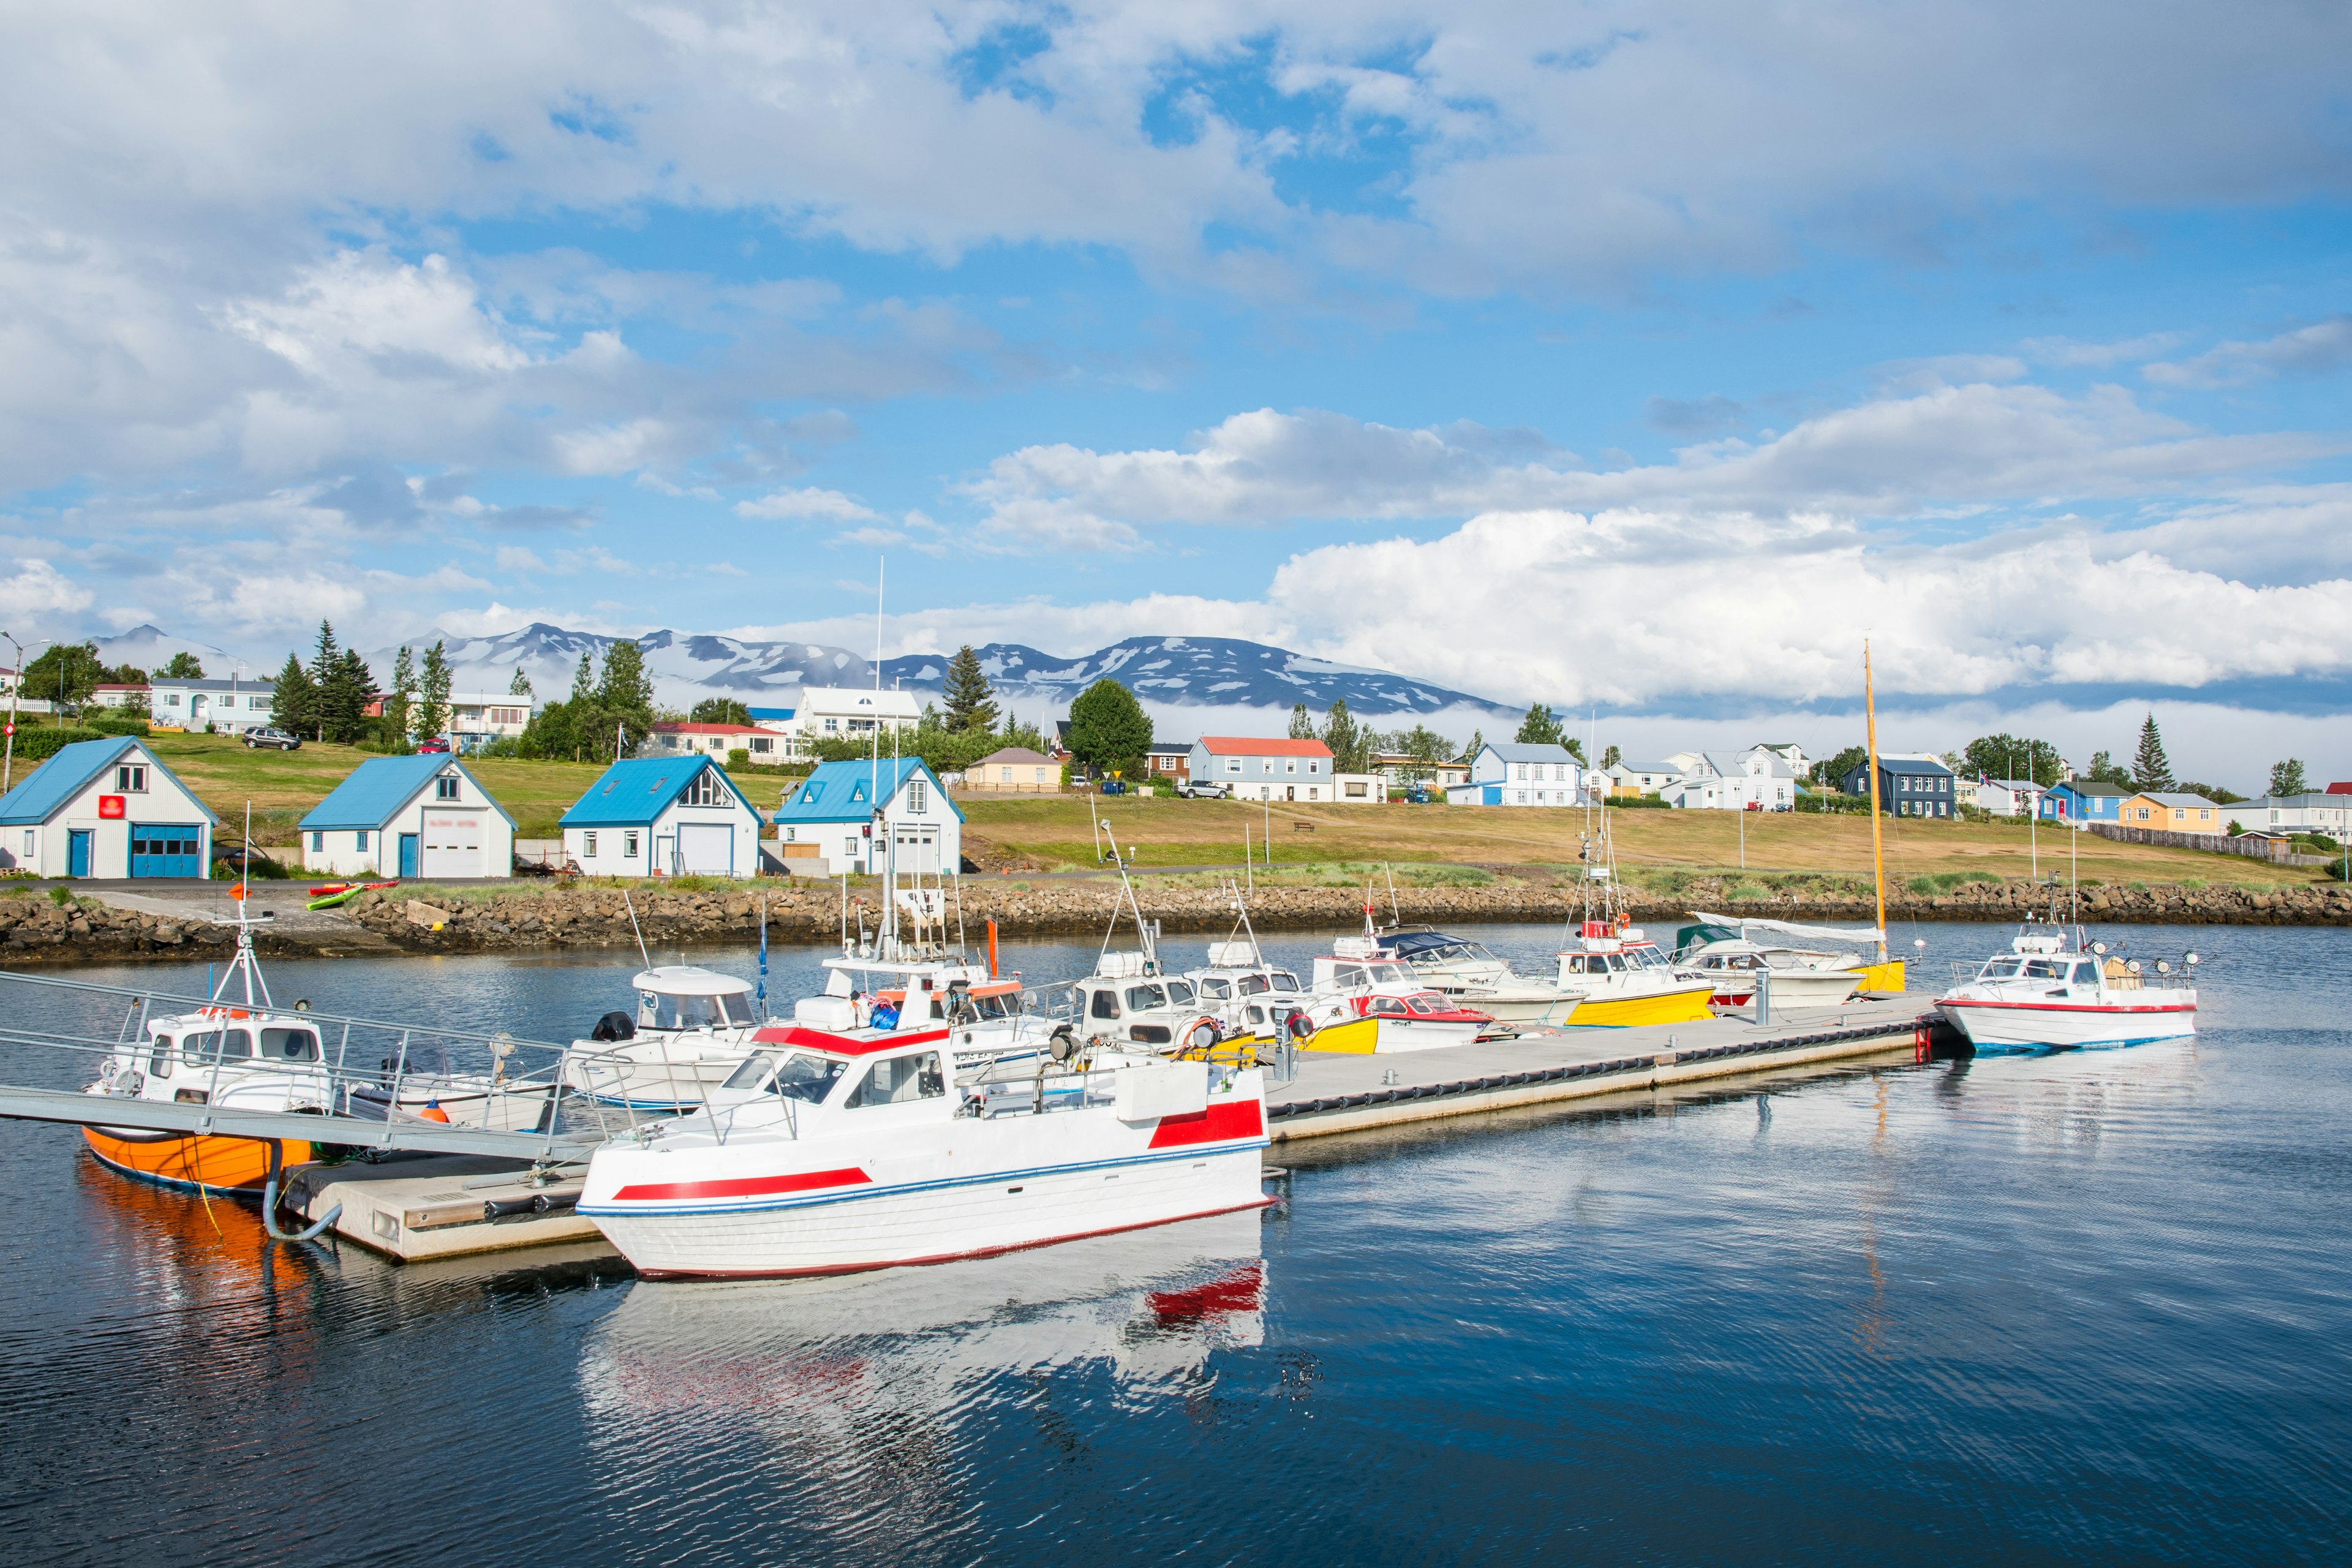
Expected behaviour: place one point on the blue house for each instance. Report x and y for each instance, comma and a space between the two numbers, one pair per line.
827, 825
1908, 787
663, 816
106, 809
424, 817
2082, 800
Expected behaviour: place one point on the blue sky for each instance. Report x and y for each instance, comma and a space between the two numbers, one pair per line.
1644, 357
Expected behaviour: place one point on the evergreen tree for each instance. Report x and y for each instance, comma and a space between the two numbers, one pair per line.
971, 701
1302, 725
2287, 777
185, 666
1574, 747
584, 683
2150, 771
2105, 769
1108, 728
433, 693
623, 702
719, 710
343, 698
398, 701
520, 685
1540, 728
326, 658
294, 701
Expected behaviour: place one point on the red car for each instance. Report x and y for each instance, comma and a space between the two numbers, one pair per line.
436, 745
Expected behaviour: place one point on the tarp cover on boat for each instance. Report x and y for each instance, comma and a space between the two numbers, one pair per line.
1789, 928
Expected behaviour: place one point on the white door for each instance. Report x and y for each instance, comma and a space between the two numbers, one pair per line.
452, 845
706, 848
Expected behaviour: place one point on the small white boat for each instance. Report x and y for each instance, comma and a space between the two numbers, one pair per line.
832, 1152
691, 1030
2048, 994
1626, 980
1800, 978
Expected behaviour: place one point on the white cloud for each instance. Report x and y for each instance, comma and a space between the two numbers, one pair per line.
2314, 350
38, 588
830, 506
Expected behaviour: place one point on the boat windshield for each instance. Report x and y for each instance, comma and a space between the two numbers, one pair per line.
798, 1076
1422, 1005
1250, 985
1999, 969
1284, 981
1645, 958
1390, 974
1179, 993
2046, 968
1216, 988
1144, 998
672, 1010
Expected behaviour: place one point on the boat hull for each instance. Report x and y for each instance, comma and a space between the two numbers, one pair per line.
227, 1167
1522, 1006
1363, 1036
1993, 1025
1687, 1005
869, 1224
1792, 988
1886, 976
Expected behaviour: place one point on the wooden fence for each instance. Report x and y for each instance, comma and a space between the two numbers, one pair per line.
2277, 851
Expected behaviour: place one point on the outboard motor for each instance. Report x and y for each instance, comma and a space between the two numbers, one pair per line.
614, 1026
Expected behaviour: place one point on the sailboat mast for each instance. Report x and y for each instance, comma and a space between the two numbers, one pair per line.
1878, 847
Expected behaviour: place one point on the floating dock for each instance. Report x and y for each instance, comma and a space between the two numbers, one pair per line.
1348, 1093
422, 1206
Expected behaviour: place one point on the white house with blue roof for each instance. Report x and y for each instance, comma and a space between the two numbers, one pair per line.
664, 816
1516, 773
106, 809
827, 827
409, 816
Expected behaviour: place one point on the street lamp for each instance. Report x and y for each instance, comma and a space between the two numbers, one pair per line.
15, 685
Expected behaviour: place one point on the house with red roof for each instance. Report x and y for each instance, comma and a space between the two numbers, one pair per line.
683, 738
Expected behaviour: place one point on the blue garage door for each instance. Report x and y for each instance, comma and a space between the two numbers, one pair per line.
167, 851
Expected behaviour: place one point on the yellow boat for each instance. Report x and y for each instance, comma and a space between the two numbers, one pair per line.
1627, 982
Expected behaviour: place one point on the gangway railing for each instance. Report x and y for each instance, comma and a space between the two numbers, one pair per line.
358, 1082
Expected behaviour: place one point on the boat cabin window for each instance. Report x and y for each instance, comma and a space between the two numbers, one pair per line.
1180, 994
2046, 968
289, 1046
1284, 981
1389, 1006
2087, 972
1257, 1014
159, 1063
232, 1046
1252, 984
1390, 974
1341, 975
1219, 989
796, 1077
899, 1080
670, 1010
1998, 969
1419, 1004
1143, 998
1105, 1005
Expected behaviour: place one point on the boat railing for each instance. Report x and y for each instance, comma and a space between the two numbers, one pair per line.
69, 1034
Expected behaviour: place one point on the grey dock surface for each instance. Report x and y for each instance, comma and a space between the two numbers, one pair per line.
1333, 1093
432, 1205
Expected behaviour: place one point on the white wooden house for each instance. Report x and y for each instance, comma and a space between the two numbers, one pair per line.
663, 816
829, 826
1513, 772
105, 809
421, 816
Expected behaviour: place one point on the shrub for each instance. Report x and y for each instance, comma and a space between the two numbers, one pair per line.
1638, 803
39, 744
739, 759
117, 721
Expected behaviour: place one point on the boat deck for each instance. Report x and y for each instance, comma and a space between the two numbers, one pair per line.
1334, 1093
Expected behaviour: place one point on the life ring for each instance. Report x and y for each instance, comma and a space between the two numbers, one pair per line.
1299, 1025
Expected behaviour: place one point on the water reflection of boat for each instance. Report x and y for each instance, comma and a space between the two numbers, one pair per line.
813, 1362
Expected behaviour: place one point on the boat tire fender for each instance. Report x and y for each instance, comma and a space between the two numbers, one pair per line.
613, 1027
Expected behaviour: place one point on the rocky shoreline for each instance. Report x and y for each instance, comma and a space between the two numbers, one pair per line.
38, 930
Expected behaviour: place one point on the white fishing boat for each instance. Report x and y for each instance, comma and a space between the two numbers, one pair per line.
831, 1151
1472, 976
1807, 962
1360, 1000
690, 1030
2048, 992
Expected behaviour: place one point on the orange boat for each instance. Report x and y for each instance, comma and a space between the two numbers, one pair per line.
222, 1168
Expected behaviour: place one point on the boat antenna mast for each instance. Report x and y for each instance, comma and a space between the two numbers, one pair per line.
1877, 848
1104, 833
243, 963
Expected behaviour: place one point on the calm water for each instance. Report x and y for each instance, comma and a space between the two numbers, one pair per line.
2082, 1307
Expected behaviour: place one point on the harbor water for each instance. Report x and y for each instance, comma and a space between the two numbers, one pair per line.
2094, 1306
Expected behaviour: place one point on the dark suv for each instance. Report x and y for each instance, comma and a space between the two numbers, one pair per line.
261, 735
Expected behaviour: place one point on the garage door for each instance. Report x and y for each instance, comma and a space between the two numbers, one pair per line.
452, 844
706, 848
167, 851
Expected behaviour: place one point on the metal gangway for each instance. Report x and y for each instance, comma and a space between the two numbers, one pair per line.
530, 1100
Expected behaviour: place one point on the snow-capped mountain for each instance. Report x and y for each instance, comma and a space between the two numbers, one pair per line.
1164, 672
152, 647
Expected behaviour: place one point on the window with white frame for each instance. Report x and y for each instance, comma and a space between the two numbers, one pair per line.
588, 845
706, 789
917, 798
445, 787
362, 840
1314, 767
130, 778
1290, 767
1233, 764
629, 845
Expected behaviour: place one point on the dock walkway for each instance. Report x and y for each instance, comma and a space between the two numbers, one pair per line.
1345, 1093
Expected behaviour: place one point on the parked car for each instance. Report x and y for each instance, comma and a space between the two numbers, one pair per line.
260, 735
432, 745
1204, 789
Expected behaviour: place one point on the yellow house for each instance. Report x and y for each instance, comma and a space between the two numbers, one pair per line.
2171, 813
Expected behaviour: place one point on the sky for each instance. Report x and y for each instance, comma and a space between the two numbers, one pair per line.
1638, 360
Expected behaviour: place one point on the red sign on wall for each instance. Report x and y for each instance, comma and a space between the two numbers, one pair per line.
110, 806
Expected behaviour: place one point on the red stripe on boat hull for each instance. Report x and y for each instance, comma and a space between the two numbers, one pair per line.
1217, 1125
742, 1187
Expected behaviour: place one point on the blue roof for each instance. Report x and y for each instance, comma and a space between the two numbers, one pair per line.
633, 792
843, 792
64, 775
379, 788
1541, 751
1908, 765
771, 713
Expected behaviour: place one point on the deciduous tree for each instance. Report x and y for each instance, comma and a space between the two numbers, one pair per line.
719, 710
2287, 777
1540, 728
1109, 730
186, 667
